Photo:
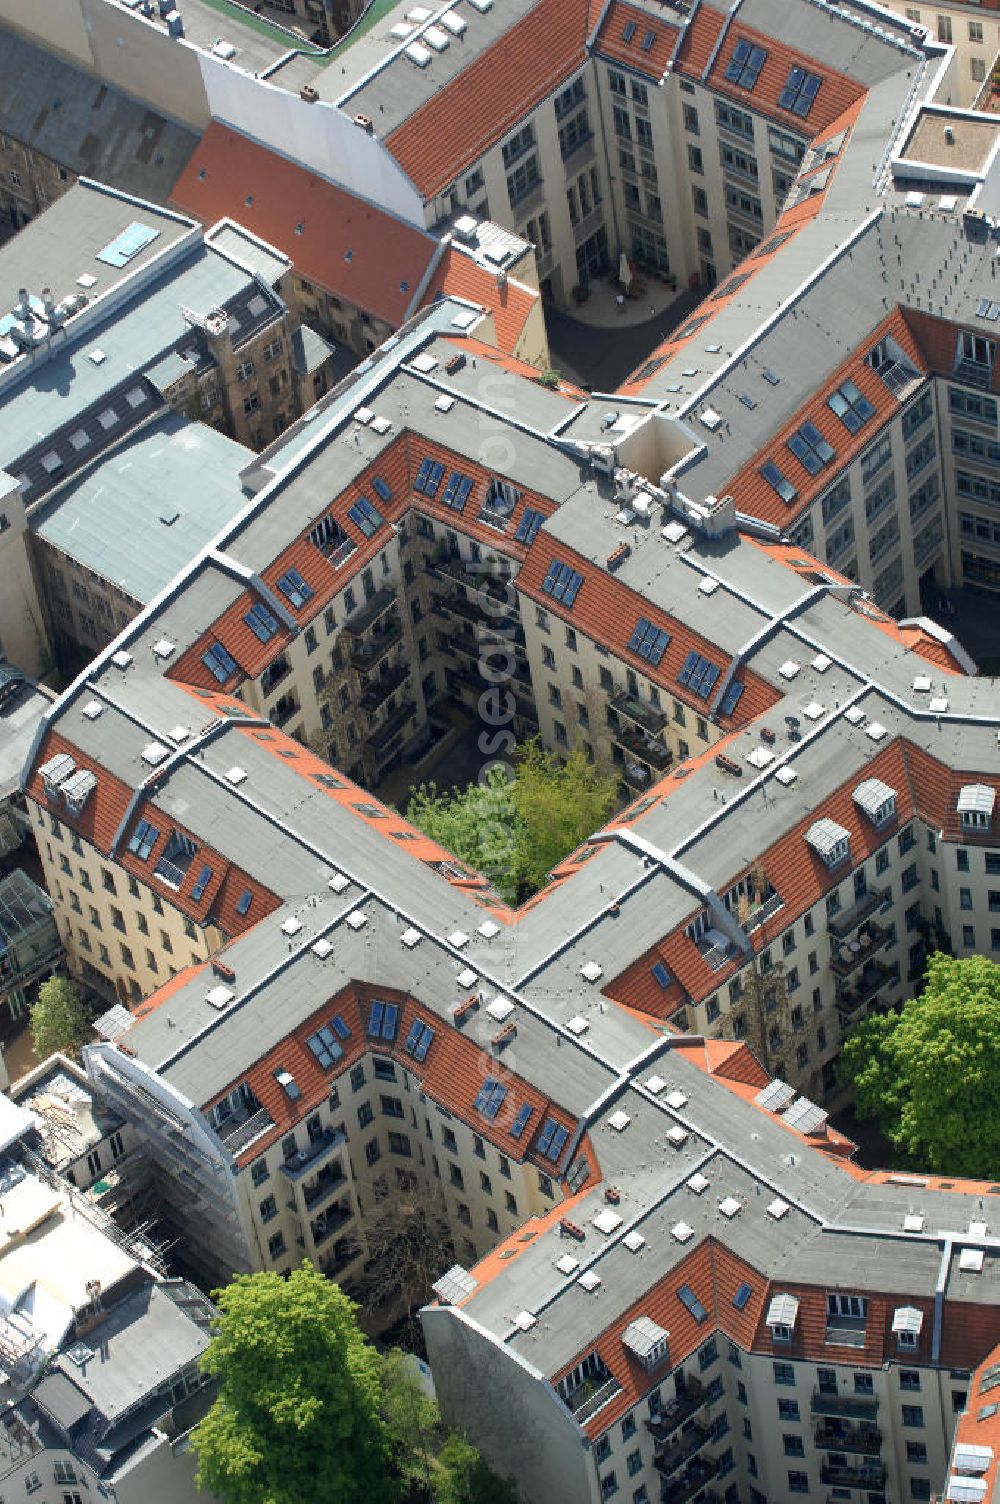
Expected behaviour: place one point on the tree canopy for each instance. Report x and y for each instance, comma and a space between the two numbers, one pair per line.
58, 1020
516, 829
298, 1415
928, 1074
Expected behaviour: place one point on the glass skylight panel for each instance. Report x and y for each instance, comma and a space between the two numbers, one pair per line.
365, 517
490, 1098
390, 1020
851, 406
779, 482
661, 976
429, 477
201, 883
810, 448
243, 902
698, 675
521, 1121
799, 92
551, 1139
419, 1039
219, 663
144, 838
745, 65
732, 696
294, 587
531, 521
690, 1301
325, 1047
648, 39
648, 641
261, 623
456, 492
382, 488
742, 1295
562, 583
628, 31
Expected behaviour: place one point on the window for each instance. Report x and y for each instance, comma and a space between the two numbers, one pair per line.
219, 663
784, 1373
801, 88
912, 1416
268, 1209
794, 1445
562, 583
916, 1453
779, 482
798, 1483
276, 1245
743, 68
851, 406
810, 448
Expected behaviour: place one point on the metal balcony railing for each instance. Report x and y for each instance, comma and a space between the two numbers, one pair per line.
841, 925
854, 1406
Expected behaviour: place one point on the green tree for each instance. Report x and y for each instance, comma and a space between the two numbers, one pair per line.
928, 1074
464, 1476
58, 1020
298, 1414
516, 829
558, 806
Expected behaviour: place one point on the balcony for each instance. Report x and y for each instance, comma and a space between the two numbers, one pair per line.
656, 754
383, 736
381, 602
874, 977
329, 1180
850, 954
365, 655
283, 710
273, 675
869, 1475
636, 776
240, 1130
844, 1331
591, 1397
851, 1406
842, 924
666, 1421
694, 1477
478, 576
648, 717
323, 1227
316, 1148
670, 1458
379, 691
840, 1437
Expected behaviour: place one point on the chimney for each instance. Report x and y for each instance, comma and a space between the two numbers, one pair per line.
23, 309
48, 303
949, 135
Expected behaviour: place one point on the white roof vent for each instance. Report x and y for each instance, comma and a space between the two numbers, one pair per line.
789, 668
219, 997
656, 1084
577, 1025
922, 684
500, 1008
488, 929
876, 731
619, 1121
291, 925
760, 757
418, 54
154, 753
589, 1280
708, 586
814, 710
821, 663
321, 947
467, 977
365, 414
401, 31
423, 362
682, 1232
606, 1221
458, 938
444, 403
436, 38
236, 775
524, 1321
913, 1222
786, 775
163, 647
411, 937
634, 1241
854, 714
777, 1208
676, 1100
971, 1260
381, 424
121, 659
938, 705
677, 1135
339, 882
590, 971
567, 1264
730, 1207
224, 49
179, 733
698, 1183
453, 22
711, 419
356, 920
674, 532
93, 709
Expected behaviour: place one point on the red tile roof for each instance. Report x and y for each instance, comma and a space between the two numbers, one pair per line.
342, 243
496, 91
652, 60
509, 301
700, 36
607, 611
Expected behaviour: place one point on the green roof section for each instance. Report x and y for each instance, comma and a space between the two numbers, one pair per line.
138, 518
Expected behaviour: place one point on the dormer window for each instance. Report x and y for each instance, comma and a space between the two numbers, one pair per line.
830, 841
781, 1317
975, 806
906, 1324
974, 357
876, 800
646, 1341
77, 790
55, 772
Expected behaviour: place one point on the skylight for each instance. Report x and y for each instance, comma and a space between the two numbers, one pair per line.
531, 521
144, 838
364, 516
648, 641
383, 1020
521, 1121
562, 583
690, 1301
851, 406
429, 477
779, 482
490, 1098
810, 448
419, 1039
698, 675
292, 585
456, 492
325, 1045
799, 92
552, 1139
732, 696
261, 622
745, 65
220, 664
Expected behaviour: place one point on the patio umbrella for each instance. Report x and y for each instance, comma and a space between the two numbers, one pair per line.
624, 272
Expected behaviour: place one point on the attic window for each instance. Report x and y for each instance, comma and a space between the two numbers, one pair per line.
830, 841
77, 790
744, 66
778, 482
851, 406
810, 448
175, 860
383, 1020
647, 1341
781, 1316
288, 1084
801, 88
877, 800
975, 806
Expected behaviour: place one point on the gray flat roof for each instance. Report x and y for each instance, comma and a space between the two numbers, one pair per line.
137, 517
